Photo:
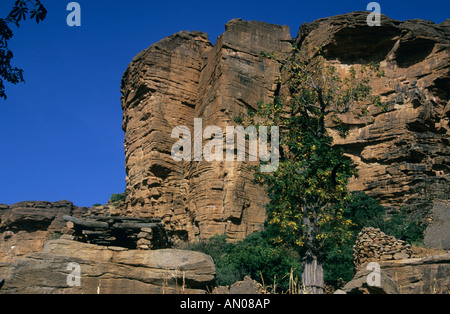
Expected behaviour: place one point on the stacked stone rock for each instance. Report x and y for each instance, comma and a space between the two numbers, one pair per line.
132, 233
372, 244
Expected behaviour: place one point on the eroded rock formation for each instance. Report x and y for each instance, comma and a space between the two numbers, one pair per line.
180, 78
25, 226
402, 154
422, 275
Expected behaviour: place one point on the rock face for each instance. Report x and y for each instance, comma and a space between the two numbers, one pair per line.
25, 226
33, 260
107, 270
180, 78
402, 154
425, 275
437, 234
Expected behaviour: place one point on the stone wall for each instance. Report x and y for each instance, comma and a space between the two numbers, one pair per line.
374, 245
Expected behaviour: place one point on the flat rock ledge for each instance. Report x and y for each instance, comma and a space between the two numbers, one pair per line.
423, 275
107, 270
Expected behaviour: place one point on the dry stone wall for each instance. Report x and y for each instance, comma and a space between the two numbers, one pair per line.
373, 245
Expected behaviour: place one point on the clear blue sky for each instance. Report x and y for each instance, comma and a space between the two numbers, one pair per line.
60, 133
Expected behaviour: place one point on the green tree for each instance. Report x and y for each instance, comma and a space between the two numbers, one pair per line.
308, 191
19, 12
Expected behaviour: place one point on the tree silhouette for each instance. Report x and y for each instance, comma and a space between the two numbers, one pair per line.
22, 8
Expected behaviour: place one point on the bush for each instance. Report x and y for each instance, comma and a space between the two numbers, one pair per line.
256, 256
405, 226
363, 211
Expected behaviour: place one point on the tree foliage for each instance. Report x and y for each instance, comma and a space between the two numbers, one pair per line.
20, 11
255, 256
308, 191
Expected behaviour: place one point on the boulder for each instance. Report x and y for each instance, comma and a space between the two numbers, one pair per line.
108, 270
364, 283
422, 275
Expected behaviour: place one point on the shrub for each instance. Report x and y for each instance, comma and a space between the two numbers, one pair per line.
118, 197
255, 256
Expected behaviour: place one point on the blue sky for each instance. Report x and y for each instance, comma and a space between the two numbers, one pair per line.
60, 133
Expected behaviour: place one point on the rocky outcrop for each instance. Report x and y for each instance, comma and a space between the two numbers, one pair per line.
25, 226
180, 78
424, 275
402, 153
437, 234
107, 270
372, 245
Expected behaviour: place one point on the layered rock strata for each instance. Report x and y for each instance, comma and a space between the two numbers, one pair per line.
402, 153
107, 270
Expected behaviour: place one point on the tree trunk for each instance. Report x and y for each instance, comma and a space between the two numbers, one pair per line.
312, 275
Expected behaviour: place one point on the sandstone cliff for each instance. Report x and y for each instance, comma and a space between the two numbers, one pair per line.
180, 78
402, 154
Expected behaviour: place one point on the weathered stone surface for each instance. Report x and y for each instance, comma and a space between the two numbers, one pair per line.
246, 286
119, 231
372, 245
25, 226
424, 275
180, 78
402, 154
108, 270
363, 283
437, 234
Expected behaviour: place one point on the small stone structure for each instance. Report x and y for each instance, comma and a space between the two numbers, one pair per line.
132, 233
372, 244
